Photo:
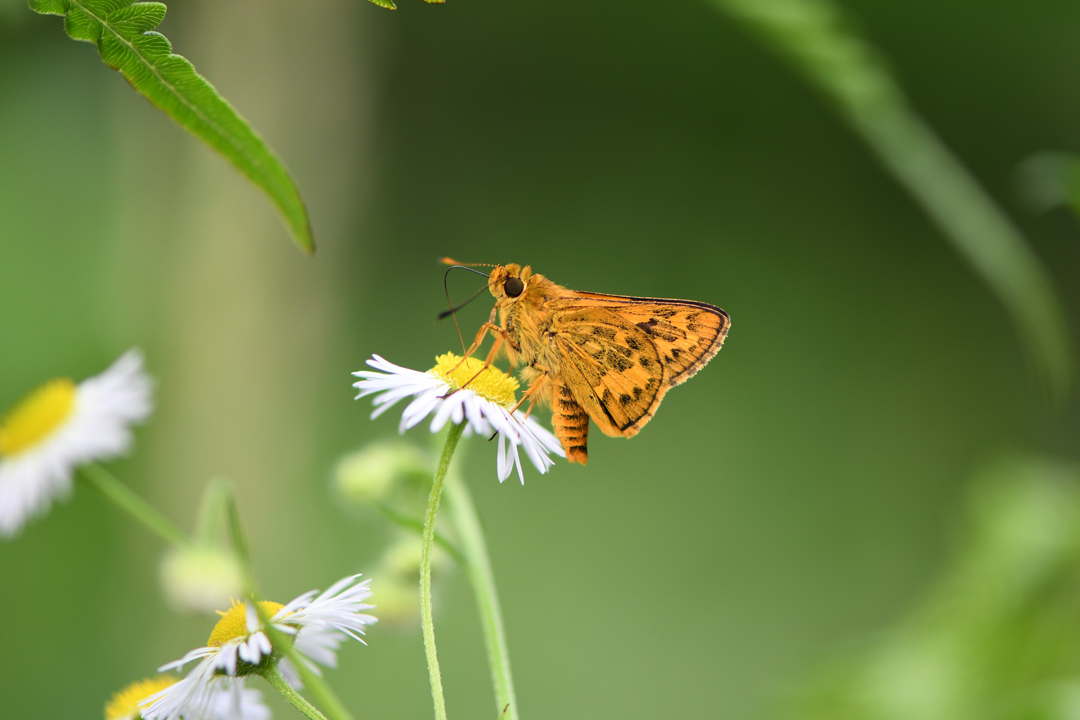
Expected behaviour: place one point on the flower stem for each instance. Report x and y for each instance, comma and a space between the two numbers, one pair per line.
452, 437
482, 579
212, 509
134, 505
298, 701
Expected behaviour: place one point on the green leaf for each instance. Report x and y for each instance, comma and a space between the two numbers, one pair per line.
123, 33
816, 37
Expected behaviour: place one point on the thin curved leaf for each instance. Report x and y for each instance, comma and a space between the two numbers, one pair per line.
816, 37
123, 33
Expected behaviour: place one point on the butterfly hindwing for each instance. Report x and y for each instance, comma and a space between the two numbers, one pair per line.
614, 369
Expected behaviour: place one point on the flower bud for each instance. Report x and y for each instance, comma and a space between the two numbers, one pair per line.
200, 579
368, 476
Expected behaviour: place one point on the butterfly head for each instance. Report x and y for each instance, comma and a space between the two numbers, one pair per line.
509, 282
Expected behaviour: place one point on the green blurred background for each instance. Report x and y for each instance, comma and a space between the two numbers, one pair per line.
798, 498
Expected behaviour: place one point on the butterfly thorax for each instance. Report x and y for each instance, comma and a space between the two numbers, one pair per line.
526, 318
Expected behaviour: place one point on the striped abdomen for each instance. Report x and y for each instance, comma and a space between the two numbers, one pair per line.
571, 423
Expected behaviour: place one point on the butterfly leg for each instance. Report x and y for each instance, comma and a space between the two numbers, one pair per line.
487, 363
484, 330
487, 327
534, 387
533, 392
500, 336
571, 424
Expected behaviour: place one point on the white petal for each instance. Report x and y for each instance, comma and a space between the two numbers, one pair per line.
517, 464
501, 468
420, 408
443, 410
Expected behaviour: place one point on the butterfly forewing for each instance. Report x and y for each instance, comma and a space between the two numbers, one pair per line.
685, 333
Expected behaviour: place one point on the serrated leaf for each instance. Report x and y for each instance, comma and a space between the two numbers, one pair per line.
123, 31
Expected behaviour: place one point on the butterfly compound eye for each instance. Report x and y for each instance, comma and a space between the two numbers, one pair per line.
513, 287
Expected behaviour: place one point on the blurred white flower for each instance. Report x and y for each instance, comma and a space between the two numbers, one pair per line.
62, 425
458, 391
238, 646
231, 701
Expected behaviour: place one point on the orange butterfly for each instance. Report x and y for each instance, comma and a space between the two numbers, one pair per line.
588, 355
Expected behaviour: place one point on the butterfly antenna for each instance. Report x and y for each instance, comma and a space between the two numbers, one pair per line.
447, 313
451, 312
451, 261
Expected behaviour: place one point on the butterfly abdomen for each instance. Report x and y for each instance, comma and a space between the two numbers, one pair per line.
571, 423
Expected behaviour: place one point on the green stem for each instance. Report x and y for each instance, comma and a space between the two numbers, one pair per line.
274, 677
452, 437
238, 537
211, 511
134, 505
478, 568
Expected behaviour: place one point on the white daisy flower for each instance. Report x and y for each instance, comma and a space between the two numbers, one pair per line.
231, 702
484, 402
62, 425
238, 646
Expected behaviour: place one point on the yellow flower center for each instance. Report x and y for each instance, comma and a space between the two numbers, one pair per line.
233, 622
492, 384
37, 416
125, 703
